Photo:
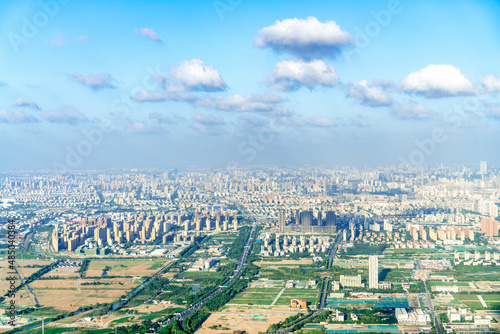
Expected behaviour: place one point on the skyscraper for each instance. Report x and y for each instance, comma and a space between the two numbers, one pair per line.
483, 167
306, 218
282, 222
373, 272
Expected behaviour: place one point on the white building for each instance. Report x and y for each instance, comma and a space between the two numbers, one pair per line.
373, 272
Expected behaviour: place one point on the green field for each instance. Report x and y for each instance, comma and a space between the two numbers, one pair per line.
156, 265
462, 284
310, 295
200, 274
412, 250
469, 301
256, 296
495, 298
465, 297
493, 305
473, 273
121, 320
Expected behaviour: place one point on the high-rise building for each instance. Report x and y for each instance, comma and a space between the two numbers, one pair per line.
489, 227
282, 222
306, 218
373, 272
331, 221
483, 167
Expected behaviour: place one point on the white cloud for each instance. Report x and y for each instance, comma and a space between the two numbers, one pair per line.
149, 33
65, 114
436, 81
26, 103
411, 111
208, 124
146, 96
94, 81
242, 103
194, 75
160, 118
369, 94
317, 122
139, 127
292, 75
17, 117
307, 38
491, 84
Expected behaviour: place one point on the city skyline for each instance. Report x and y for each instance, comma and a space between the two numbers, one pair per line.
220, 84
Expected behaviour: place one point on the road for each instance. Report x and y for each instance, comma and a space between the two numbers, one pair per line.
237, 272
326, 280
429, 302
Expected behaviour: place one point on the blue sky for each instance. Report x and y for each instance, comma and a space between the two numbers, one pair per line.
98, 84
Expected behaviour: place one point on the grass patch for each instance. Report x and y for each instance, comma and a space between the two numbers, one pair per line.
121, 320
463, 284
466, 297
491, 297
200, 274
156, 265
251, 301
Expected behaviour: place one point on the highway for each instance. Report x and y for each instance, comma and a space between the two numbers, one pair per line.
429, 302
195, 307
322, 297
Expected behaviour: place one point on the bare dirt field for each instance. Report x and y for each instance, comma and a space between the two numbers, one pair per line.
169, 274
124, 267
68, 295
151, 308
252, 319
63, 272
70, 300
25, 272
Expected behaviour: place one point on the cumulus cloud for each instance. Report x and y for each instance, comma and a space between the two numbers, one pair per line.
17, 117
194, 75
160, 118
243, 103
411, 111
208, 124
26, 103
491, 84
435, 81
65, 114
138, 127
292, 75
317, 122
146, 96
236, 102
93, 80
149, 33
369, 94
307, 38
